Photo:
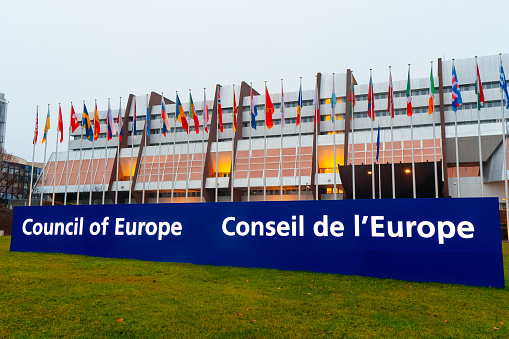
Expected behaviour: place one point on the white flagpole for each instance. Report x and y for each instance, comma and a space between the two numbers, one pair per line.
187, 156
317, 122
379, 171
131, 163
92, 161
412, 138
106, 154
265, 151
300, 144
44, 167
353, 148
434, 145
118, 150
67, 162
174, 176
457, 152
217, 146
233, 143
33, 156
504, 143
203, 142
159, 179
372, 157
479, 137
249, 152
54, 179
143, 157
392, 136
334, 138
81, 154
281, 149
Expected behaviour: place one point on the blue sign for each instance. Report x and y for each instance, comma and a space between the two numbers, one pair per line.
442, 240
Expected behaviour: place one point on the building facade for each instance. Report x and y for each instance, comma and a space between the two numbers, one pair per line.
296, 162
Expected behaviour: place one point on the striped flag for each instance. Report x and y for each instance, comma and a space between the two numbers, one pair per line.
46, 128
390, 96
36, 132
431, 100
219, 110
478, 88
503, 86
86, 124
456, 94
119, 121
371, 100
269, 110
282, 109
299, 105
181, 115
254, 111
164, 116
192, 114
235, 111
408, 96
205, 111
333, 101
97, 124
352, 99
110, 123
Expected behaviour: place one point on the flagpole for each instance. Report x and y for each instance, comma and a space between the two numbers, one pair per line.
187, 157
456, 144
379, 170
300, 143
504, 139
233, 143
333, 116
281, 109
173, 176
56, 161
143, 156
106, 153
479, 132
392, 136
412, 138
92, 161
67, 162
81, 157
434, 140
118, 150
203, 143
33, 156
44, 167
317, 121
352, 108
131, 162
217, 147
249, 152
372, 157
265, 151
159, 179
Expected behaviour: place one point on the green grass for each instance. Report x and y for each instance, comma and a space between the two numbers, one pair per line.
59, 295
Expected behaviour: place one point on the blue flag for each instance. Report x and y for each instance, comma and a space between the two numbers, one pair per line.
378, 143
503, 86
254, 111
87, 124
456, 95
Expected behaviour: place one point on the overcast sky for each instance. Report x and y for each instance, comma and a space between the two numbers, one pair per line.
62, 51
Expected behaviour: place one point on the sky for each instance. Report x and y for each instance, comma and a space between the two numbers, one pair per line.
68, 51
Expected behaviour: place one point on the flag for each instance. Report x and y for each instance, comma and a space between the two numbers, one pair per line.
234, 111
87, 125
219, 110
478, 89
60, 123
36, 132
282, 107
205, 111
378, 143
254, 111
371, 100
299, 105
74, 120
133, 131
431, 104
119, 121
316, 103
181, 116
352, 99
148, 118
110, 123
503, 86
97, 124
408, 96
333, 101
269, 110
390, 96
192, 114
164, 116
46, 128
456, 94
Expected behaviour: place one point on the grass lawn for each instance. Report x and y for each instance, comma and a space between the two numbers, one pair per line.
60, 295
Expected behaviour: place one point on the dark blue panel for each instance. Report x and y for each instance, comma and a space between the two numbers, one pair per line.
442, 240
